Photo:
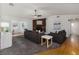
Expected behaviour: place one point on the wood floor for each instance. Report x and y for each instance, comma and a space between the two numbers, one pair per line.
69, 47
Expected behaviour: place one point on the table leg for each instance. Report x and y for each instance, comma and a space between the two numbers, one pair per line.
47, 43
41, 41
51, 42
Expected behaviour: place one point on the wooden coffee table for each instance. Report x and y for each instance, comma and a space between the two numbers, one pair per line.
47, 38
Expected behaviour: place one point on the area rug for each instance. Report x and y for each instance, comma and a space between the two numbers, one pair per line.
22, 46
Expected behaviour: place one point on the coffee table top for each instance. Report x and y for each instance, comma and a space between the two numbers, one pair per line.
46, 36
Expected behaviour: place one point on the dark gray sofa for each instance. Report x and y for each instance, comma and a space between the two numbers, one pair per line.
59, 37
33, 36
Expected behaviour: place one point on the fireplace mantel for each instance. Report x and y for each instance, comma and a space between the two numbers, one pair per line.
39, 24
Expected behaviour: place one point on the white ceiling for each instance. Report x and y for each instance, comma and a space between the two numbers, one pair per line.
46, 9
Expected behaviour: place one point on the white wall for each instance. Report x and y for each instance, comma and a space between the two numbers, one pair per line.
63, 19
75, 27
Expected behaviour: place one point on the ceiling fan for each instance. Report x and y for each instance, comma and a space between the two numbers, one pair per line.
37, 15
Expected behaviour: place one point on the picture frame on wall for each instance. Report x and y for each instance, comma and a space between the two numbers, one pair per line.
57, 26
39, 22
15, 25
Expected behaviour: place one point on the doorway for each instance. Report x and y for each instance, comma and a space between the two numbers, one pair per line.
75, 28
